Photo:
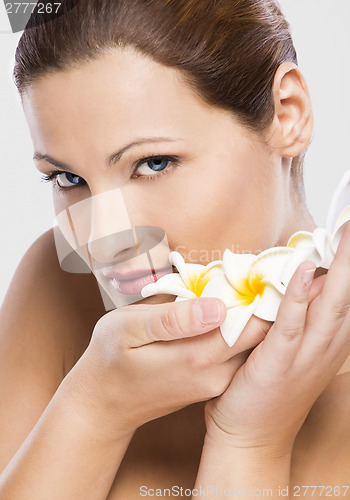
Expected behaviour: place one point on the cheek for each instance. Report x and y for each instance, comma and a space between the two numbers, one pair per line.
218, 214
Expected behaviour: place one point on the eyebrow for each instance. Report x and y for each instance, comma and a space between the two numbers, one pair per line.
111, 160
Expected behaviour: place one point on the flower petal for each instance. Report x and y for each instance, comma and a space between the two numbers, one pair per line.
301, 239
185, 270
323, 244
217, 264
235, 321
269, 303
270, 262
343, 218
320, 241
237, 266
171, 284
316, 246
340, 200
300, 255
219, 287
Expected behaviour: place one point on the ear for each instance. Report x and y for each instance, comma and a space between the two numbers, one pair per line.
293, 123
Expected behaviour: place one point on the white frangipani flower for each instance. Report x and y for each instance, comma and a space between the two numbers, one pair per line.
188, 284
319, 246
250, 284
247, 284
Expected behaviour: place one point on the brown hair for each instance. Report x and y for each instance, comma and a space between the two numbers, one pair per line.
227, 50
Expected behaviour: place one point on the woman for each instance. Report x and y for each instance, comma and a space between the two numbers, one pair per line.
212, 94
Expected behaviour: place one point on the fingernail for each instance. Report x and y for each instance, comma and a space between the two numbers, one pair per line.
308, 276
208, 312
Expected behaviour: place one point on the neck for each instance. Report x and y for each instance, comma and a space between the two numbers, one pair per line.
300, 219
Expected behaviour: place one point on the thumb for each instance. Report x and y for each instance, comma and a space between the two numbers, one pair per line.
179, 319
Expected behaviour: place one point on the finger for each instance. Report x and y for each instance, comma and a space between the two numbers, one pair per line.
176, 320
283, 340
334, 300
329, 317
339, 346
330, 309
316, 287
213, 349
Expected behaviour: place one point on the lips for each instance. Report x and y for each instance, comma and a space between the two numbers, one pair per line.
132, 282
129, 275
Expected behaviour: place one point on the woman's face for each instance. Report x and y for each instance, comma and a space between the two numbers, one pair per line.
213, 185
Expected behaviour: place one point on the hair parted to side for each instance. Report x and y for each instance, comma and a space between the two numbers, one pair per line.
227, 50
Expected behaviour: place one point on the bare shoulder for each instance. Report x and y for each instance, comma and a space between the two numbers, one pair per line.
46, 322
47, 311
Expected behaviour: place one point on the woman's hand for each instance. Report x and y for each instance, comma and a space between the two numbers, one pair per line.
147, 360
272, 393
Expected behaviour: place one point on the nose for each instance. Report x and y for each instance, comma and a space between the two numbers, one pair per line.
112, 237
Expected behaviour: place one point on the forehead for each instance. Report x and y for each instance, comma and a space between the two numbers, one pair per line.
122, 89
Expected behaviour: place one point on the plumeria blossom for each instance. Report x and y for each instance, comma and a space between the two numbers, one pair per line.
188, 284
319, 246
248, 284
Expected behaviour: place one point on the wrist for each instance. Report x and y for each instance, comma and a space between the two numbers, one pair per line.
260, 449
225, 463
83, 395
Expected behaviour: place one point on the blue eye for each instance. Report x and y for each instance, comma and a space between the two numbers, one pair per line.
152, 165
66, 179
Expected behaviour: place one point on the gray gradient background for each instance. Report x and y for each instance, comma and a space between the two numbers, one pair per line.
322, 38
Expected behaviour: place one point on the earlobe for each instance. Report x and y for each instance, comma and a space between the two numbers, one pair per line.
293, 121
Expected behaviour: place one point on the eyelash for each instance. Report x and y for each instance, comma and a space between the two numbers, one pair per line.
173, 159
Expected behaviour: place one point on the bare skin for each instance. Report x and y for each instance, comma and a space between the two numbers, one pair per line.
165, 451
84, 114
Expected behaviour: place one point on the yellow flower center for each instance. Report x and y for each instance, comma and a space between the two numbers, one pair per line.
197, 282
249, 287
